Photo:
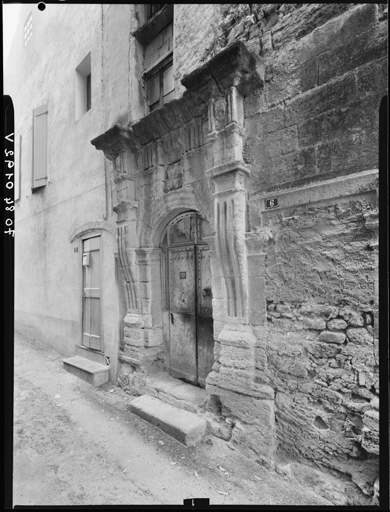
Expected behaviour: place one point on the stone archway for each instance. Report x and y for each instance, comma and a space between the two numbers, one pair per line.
187, 298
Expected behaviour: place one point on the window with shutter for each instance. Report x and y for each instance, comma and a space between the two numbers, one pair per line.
160, 86
40, 117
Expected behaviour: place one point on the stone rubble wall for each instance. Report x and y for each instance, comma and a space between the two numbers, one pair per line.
322, 351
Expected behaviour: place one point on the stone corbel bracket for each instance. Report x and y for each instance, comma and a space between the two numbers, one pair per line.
234, 66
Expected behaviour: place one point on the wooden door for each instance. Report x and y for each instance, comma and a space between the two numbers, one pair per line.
92, 294
189, 299
204, 315
182, 313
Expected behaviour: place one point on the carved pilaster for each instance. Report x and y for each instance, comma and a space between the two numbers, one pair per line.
230, 215
234, 107
126, 256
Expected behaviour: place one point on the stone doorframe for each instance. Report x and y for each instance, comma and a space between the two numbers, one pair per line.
215, 93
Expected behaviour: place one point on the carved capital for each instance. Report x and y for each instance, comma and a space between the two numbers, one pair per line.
229, 177
123, 208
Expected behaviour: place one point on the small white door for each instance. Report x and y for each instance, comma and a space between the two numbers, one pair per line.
92, 293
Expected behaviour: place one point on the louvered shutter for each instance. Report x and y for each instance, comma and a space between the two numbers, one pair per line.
40, 146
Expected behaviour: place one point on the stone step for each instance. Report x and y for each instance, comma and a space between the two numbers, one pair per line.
90, 371
184, 426
176, 392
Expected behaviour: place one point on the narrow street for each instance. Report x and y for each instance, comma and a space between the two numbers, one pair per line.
79, 445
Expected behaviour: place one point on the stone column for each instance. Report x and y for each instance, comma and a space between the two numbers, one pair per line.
235, 379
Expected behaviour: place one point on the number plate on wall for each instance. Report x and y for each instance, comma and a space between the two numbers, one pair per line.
182, 275
272, 203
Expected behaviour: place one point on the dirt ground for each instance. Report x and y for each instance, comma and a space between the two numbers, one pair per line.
79, 445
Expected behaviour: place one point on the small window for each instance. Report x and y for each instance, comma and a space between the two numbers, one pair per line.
83, 99
160, 86
28, 29
89, 92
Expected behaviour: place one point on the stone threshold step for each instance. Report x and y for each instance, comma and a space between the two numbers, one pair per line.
90, 371
176, 392
184, 426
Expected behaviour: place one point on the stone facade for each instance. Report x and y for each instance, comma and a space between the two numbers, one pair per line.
272, 138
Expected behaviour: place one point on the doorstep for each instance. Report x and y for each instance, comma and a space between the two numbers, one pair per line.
176, 392
186, 427
92, 372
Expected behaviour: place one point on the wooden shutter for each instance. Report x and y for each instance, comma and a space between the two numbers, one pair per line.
40, 146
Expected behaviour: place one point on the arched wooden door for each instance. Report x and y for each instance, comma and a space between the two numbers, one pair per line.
188, 298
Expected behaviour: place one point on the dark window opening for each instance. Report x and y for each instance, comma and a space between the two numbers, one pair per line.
160, 86
88, 83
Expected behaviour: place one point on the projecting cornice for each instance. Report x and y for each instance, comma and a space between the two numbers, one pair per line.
234, 66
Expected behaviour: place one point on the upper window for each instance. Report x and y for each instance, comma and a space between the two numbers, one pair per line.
83, 99
28, 29
158, 65
160, 86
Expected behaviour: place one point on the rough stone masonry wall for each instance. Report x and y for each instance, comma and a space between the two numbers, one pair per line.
317, 118
323, 341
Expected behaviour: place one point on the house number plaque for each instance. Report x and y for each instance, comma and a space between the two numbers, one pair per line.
182, 275
272, 203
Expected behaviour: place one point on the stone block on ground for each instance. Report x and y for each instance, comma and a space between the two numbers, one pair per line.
184, 426
90, 371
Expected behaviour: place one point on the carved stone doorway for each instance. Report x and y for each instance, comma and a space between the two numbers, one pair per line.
188, 298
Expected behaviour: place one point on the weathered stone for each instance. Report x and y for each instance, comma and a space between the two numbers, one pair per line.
239, 381
244, 408
283, 308
314, 323
330, 487
332, 337
319, 309
370, 442
375, 403
359, 407
237, 336
336, 324
359, 335
351, 316
256, 440
219, 429
236, 357
371, 419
